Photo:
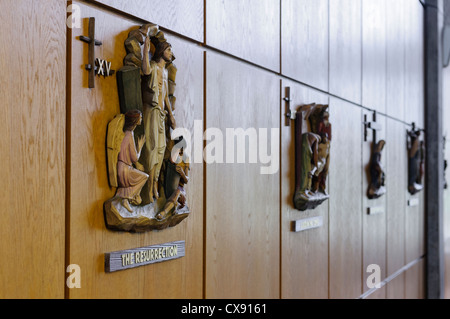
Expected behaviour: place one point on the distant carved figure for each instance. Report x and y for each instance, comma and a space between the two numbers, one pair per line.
324, 131
177, 175
416, 159
312, 156
377, 176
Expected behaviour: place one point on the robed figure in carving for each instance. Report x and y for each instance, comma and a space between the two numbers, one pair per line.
156, 104
128, 179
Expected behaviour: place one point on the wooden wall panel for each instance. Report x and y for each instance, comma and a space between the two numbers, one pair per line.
395, 57
32, 141
181, 16
413, 237
422, 279
242, 205
374, 54
396, 196
345, 49
304, 255
414, 281
422, 226
345, 216
413, 231
246, 29
415, 97
396, 287
379, 293
304, 41
90, 112
414, 63
374, 225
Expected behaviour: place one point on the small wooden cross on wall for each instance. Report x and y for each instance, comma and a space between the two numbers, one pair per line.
95, 66
289, 115
372, 125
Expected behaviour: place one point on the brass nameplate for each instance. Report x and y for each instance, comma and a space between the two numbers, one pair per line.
308, 223
132, 258
375, 210
413, 202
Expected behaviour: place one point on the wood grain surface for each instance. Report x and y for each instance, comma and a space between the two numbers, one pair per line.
180, 16
395, 289
32, 139
345, 49
238, 239
379, 293
414, 63
304, 256
374, 226
90, 112
414, 112
395, 58
243, 206
414, 281
304, 41
345, 215
396, 196
374, 54
247, 29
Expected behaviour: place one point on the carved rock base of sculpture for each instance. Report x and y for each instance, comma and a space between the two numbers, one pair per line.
415, 188
143, 218
304, 201
376, 193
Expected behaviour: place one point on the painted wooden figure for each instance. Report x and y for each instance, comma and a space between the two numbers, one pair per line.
376, 172
312, 152
147, 83
416, 160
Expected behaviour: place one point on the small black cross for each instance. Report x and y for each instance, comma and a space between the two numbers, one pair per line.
373, 125
91, 56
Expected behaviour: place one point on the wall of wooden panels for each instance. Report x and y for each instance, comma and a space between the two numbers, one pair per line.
346, 210
234, 59
246, 29
303, 21
301, 279
32, 141
242, 205
446, 200
345, 51
180, 16
395, 57
90, 112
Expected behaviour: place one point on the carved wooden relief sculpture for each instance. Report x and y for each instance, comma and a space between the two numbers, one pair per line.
445, 163
416, 161
377, 177
312, 155
147, 167
375, 169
